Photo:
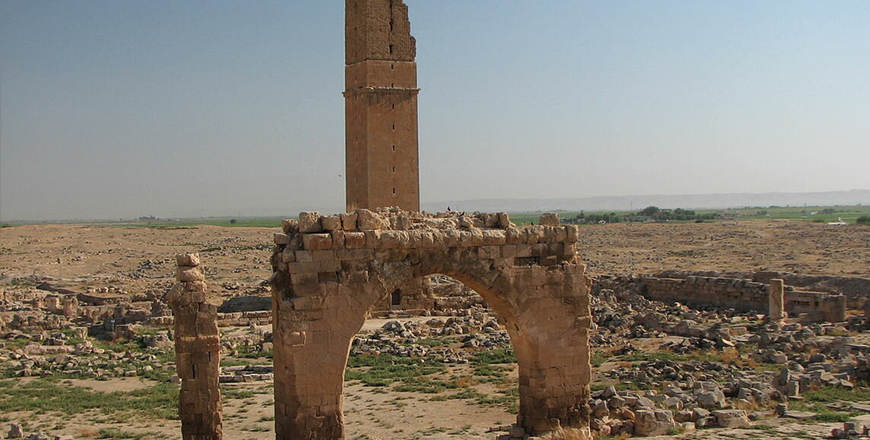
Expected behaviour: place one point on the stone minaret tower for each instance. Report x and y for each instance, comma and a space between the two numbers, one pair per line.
380, 106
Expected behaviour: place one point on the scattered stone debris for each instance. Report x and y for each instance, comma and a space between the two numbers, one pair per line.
720, 391
713, 378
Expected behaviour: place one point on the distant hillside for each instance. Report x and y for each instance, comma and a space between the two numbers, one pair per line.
625, 203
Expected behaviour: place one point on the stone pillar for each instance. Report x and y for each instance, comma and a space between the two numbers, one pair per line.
197, 352
550, 340
777, 300
314, 324
70, 306
52, 303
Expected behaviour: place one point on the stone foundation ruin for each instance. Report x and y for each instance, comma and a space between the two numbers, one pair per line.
331, 270
743, 295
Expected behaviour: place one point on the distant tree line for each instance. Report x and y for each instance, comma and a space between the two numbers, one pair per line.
679, 214
650, 213
593, 219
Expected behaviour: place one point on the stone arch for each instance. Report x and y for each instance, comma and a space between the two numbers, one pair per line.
330, 272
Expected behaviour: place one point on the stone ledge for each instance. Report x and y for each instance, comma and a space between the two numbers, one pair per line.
391, 229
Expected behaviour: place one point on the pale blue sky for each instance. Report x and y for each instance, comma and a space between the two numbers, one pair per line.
112, 109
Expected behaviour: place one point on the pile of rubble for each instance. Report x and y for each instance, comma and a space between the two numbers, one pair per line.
480, 330
58, 356
724, 390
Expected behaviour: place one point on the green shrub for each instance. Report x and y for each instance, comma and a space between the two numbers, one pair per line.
47, 395
496, 356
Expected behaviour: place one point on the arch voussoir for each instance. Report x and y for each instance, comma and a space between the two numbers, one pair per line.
326, 282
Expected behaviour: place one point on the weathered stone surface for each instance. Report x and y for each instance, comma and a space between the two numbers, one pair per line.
197, 352
742, 294
736, 418
653, 422
316, 242
777, 300
370, 221
309, 222
187, 259
331, 223
290, 226
549, 219
330, 292
799, 415
381, 104
281, 238
710, 396
354, 240
348, 221
15, 431
188, 273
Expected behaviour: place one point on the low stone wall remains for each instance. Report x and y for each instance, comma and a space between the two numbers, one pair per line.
235, 319
744, 295
856, 289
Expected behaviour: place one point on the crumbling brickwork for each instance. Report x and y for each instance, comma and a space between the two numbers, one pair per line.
378, 30
331, 270
381, 160
856, 289
197, 352
743, 295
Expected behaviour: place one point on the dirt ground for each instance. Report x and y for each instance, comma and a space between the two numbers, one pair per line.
138, 259
787, 246
129, 261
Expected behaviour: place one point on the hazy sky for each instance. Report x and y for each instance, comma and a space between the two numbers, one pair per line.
112, 109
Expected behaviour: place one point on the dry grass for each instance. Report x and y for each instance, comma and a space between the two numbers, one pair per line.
465, 382
88, 432
730, 356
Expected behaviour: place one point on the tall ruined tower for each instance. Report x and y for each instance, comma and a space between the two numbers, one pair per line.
381, 154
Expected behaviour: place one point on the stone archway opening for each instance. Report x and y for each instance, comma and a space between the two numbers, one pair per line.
330, 271
450, 371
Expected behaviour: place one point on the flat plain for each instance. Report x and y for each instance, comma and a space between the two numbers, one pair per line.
137, 262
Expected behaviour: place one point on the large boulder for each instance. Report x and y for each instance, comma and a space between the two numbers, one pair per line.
709, 395
735, 418
309, 222
15, 431
653, 422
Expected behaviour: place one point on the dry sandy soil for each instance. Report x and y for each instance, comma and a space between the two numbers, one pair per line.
136, 259
130, 261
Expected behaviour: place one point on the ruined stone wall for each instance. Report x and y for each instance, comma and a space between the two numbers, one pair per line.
856, 289
744, 295
820, 306
238, 319
331, 270
322, 243
259, 317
